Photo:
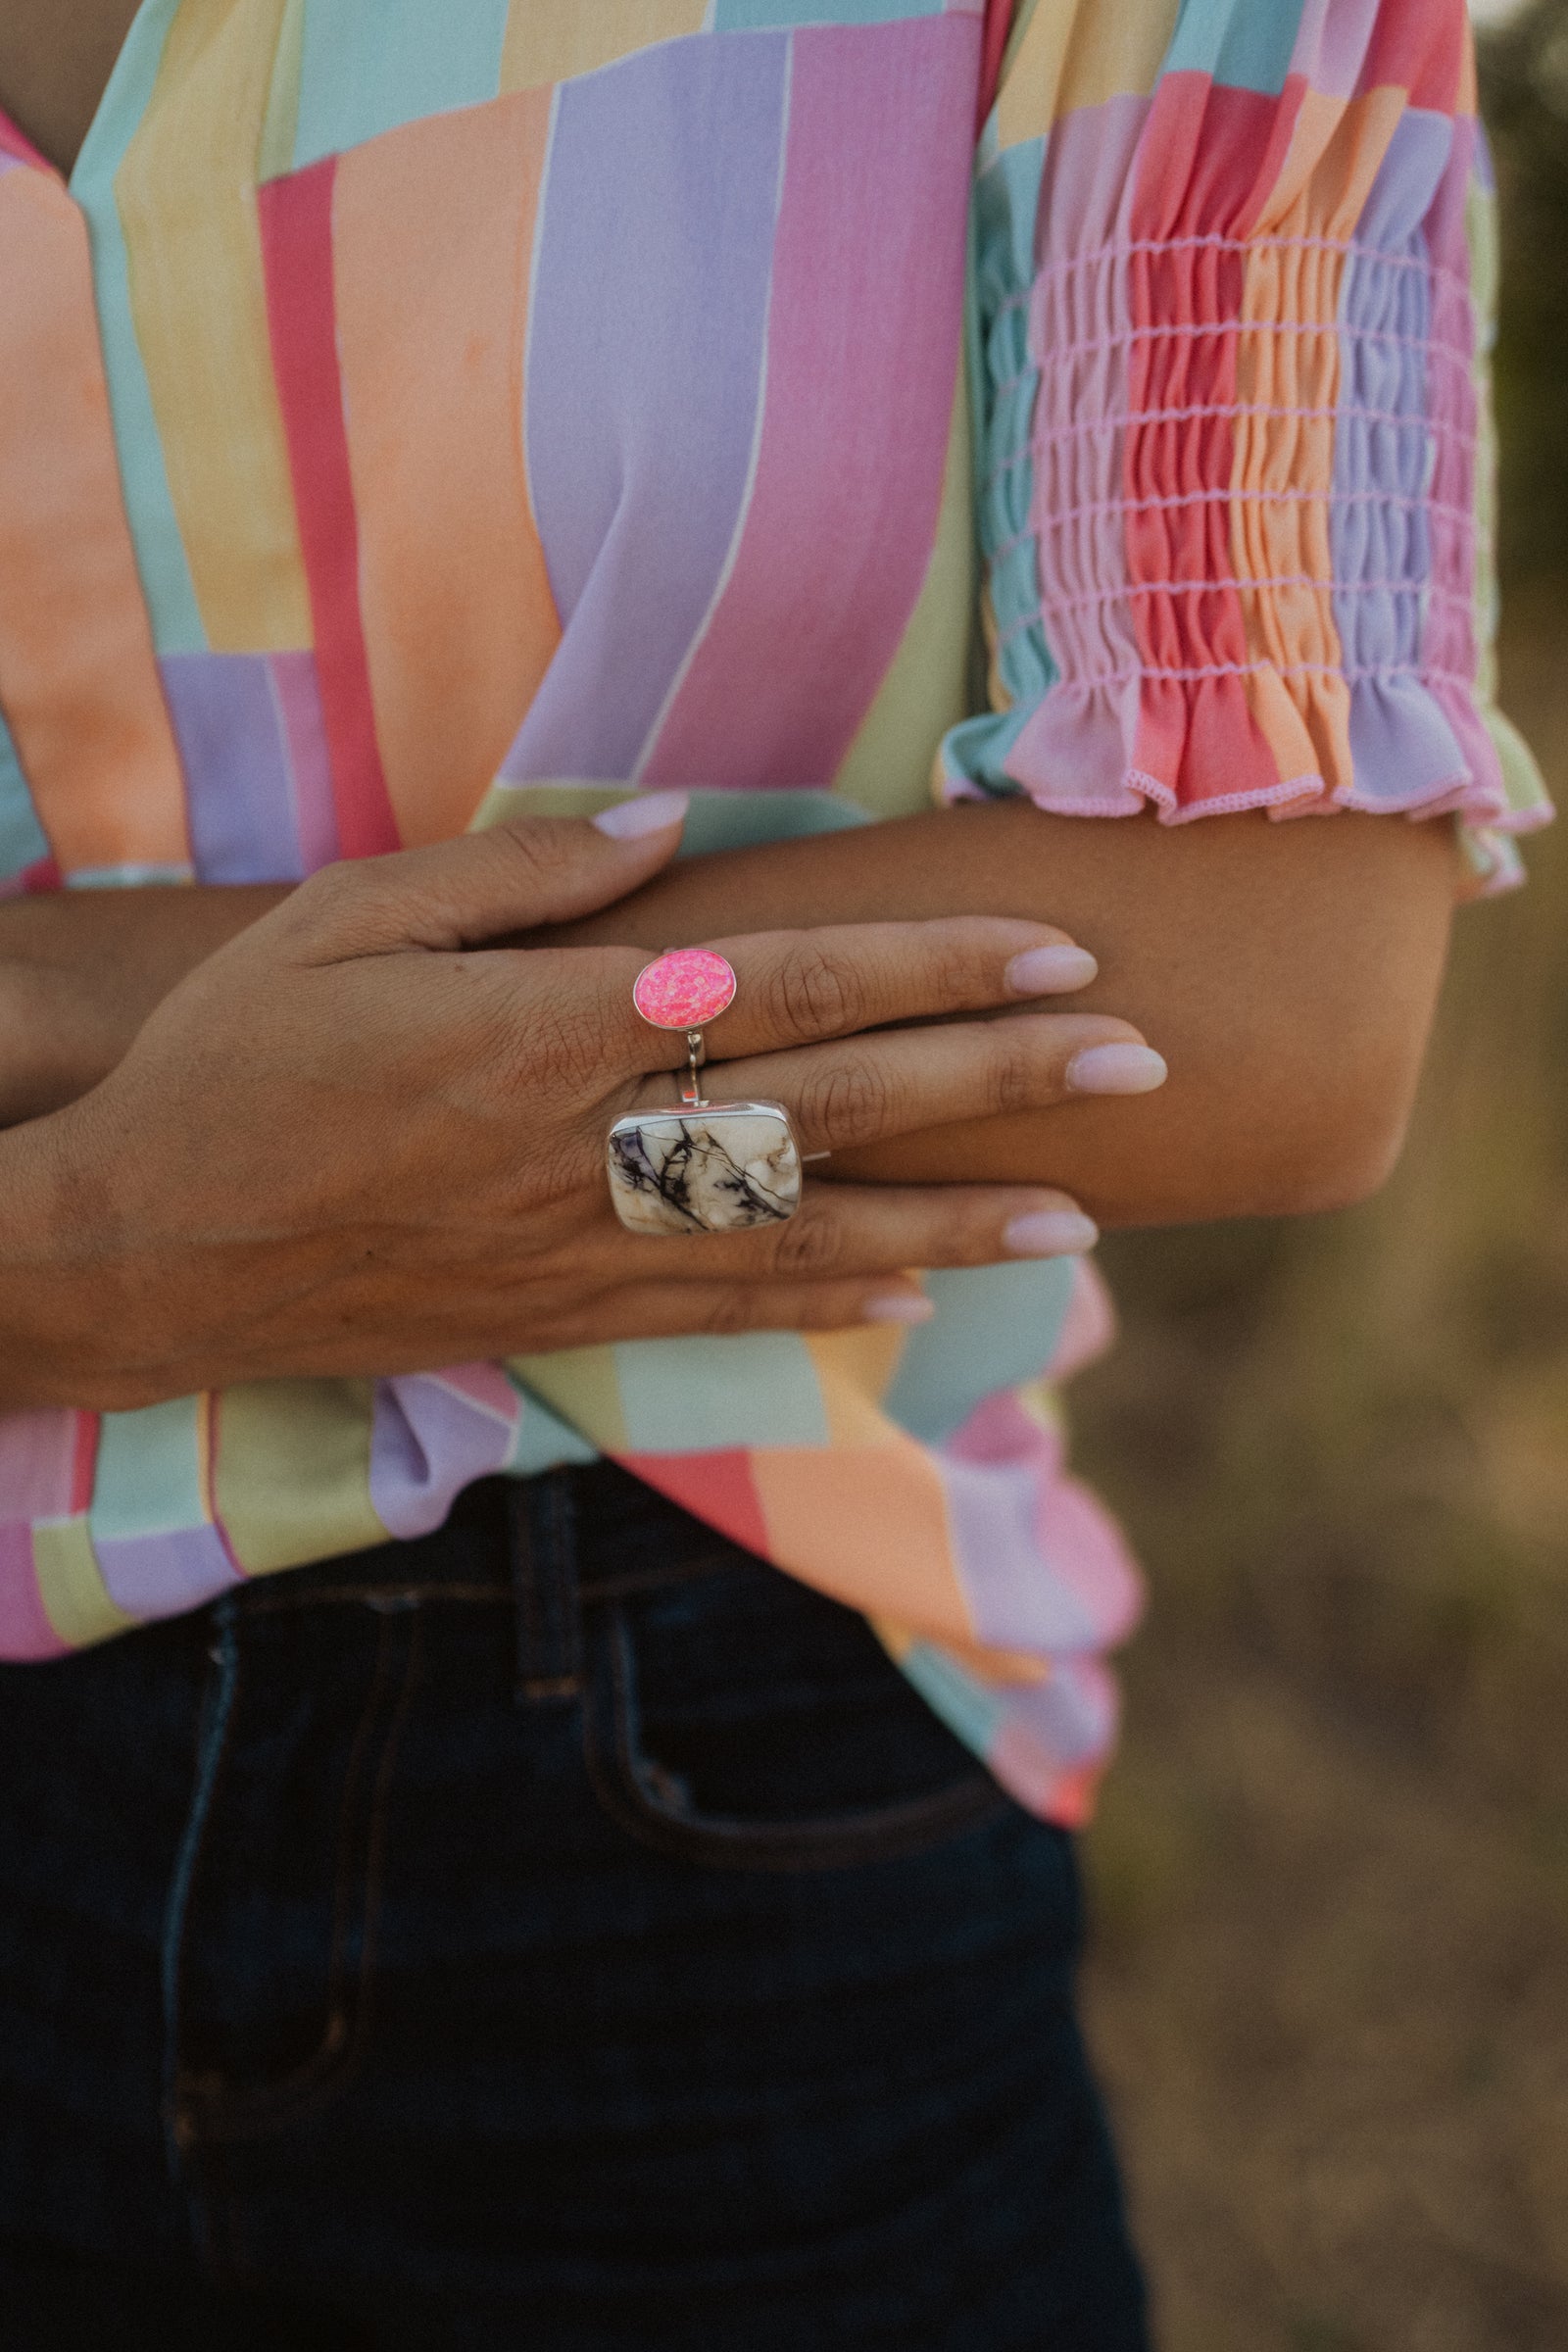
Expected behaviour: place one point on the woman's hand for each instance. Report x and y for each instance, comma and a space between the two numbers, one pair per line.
354, 1143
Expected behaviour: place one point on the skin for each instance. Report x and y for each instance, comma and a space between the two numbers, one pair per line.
1288, 972
353, 1142
54, 63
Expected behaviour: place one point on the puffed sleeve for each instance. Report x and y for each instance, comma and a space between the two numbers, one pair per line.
1231, 319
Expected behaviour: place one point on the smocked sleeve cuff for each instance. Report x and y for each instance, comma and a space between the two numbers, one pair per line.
1235, 464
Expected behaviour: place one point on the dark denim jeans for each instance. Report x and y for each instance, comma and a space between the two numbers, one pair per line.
564, 1932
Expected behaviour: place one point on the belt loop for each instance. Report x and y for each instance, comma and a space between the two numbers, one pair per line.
547, 1615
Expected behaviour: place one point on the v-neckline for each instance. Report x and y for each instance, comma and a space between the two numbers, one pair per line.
17, 139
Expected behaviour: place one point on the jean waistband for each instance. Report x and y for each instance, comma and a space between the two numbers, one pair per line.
617, 1535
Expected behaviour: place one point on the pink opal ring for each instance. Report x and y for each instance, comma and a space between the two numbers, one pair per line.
699, 1167
683, 989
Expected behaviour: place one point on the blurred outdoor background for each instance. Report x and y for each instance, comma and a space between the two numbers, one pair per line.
1330, 1984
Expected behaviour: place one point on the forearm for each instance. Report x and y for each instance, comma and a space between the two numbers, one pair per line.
81, 970
1287, 973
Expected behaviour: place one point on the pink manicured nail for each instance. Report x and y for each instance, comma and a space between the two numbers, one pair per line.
900, 1307
1051, 1233
1050, 972
650, 813
1116, 1070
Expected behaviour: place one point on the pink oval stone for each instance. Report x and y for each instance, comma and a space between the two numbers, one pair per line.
684, 988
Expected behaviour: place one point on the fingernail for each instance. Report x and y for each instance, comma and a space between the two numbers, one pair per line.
900, 1307
1116, 1070
1051, 1233
649, 813
1050, 972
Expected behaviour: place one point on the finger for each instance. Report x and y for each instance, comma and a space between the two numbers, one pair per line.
863, 1090
662, 1310
799, 987
510, 877
842, 1233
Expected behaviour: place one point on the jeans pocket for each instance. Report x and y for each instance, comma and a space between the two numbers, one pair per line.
737, 1718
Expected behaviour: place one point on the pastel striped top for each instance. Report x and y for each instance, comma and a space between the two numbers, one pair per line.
418, 411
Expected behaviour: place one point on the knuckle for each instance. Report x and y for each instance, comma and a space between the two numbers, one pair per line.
962, 972
533, 856
727, 1312
809, 1247
1016, 1075
850, 1105
813, 996
556, 1042
324, 899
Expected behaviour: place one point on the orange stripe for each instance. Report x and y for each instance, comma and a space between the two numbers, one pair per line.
460, 623
78, 677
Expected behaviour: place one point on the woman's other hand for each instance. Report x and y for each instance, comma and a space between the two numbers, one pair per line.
356, 1141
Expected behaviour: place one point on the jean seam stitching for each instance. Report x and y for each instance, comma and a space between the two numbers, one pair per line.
212, 1742
251, 2113
871, 1836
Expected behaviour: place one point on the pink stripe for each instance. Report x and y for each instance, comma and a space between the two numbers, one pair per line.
485, 1384
296, 220
310, 762
861, 360
25, 1631
16, 148
42, 1467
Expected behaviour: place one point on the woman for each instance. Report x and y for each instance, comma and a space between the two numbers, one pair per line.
551, 1924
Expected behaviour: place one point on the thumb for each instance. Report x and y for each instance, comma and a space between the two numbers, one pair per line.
512, 877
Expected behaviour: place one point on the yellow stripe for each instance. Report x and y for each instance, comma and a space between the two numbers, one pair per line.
581, 1384
187, 204
504, 801
75, 1596
280, 128
293, 1472
1076, 56
551, 43
888, 767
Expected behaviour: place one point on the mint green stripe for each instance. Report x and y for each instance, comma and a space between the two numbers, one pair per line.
993, 1327
718, 820
371, 65
144, 483
963, 1704
700, 1396
21, 837
544, 1441
148, 1479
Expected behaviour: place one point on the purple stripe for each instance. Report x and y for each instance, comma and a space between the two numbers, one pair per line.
644, 366
427, 1444
1331, 44
1068, 1720
1450, 650
1401, 745
159, 1576
1015, 1600
238, 790
862, 358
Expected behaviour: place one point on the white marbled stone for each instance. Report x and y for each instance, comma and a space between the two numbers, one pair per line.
715, 1170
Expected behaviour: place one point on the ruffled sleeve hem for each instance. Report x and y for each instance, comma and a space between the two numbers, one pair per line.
1384, 746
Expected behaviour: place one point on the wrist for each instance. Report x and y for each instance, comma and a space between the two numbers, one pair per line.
57, 1041
57, 1288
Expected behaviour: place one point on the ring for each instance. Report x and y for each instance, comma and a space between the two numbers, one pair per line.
699, 1166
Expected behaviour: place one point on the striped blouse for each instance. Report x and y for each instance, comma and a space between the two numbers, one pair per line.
414, 411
